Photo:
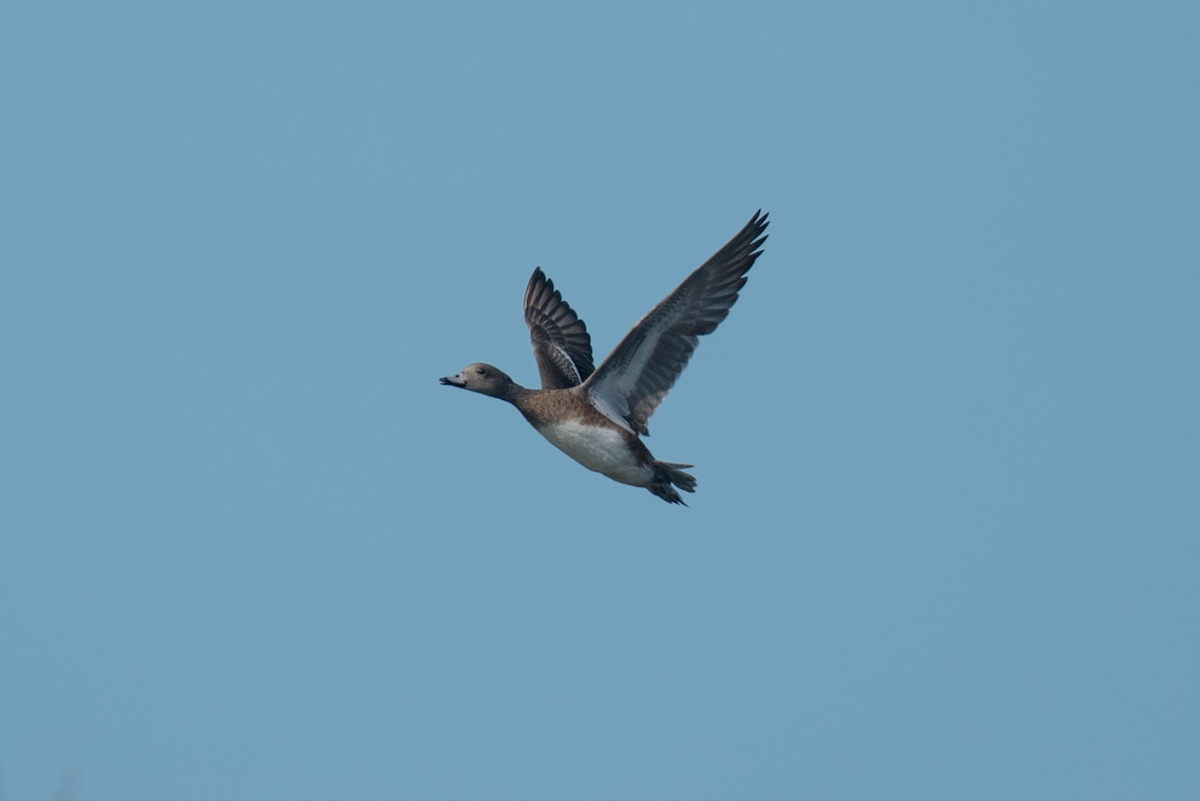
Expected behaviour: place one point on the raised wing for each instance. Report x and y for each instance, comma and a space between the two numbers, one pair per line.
561, 343
639, 373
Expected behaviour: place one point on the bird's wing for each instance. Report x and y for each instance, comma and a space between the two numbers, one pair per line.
561, 343
639, 373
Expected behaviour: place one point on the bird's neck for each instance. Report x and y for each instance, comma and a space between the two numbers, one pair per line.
513, 392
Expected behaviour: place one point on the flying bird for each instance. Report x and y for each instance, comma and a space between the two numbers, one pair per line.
597, 415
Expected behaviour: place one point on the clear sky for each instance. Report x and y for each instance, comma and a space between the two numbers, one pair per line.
945, 543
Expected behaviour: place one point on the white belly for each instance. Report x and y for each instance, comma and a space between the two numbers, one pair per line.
600, 449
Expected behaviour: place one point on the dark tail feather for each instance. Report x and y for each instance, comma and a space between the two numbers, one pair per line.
685, 481
668, 473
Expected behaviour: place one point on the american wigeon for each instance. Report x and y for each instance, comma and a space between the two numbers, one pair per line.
596, 415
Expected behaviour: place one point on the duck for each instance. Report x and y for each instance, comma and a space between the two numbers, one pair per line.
598, 415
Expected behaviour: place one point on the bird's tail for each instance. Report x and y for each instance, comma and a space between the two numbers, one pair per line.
668, 473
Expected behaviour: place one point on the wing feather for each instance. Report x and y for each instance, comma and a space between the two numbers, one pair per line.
631, 383
561, 343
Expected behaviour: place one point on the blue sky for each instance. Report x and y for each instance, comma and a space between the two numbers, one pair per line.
945, 540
